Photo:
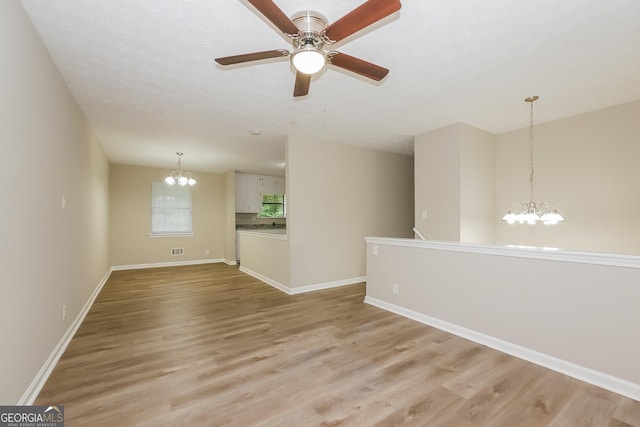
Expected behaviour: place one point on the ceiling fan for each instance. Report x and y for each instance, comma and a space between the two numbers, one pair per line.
310, 31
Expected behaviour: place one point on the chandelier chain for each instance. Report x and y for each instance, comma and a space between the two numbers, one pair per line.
531, 169
530, 212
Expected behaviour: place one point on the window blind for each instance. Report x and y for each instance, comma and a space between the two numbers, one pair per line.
170, 209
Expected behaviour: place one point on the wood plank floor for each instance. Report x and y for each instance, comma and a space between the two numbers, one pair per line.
208, 345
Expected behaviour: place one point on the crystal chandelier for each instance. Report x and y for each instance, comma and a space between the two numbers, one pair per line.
178, 176
532, 213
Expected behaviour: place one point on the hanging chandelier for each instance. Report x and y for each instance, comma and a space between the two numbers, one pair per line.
178, 176
532, 213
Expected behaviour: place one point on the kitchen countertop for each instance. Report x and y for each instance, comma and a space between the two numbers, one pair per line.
260, 227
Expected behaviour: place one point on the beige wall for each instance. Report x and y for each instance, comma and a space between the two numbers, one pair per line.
130, 212
267, 256
455, 184
50, 257
477, 185
588, 166
581, 313
230, 220
338, 194
437, 183
585, 164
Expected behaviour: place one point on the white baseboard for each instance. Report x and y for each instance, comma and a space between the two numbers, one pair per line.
302, 289
279, 286
230, 262
167, 264
588, 375
327, 285
42, 376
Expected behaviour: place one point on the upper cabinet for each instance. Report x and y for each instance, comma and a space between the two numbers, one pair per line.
248, 197
272, 184
250, 188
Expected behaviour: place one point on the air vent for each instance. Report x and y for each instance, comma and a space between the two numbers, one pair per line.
177, 251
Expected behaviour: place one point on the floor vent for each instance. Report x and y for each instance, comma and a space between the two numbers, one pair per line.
177, 251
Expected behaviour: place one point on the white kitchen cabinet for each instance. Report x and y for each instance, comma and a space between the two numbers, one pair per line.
266, 183
278, 185
248, 193
272, 184
250, 188
241, 184
237, 246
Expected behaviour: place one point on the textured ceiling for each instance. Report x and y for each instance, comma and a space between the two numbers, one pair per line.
143, 73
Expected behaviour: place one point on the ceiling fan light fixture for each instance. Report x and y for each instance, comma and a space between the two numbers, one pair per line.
308, 59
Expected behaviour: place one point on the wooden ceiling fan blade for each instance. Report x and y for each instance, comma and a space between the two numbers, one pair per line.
358, 66
255, 56
274, 14
303, 81
361, 17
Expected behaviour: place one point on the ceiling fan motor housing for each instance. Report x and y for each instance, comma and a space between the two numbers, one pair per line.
311, 25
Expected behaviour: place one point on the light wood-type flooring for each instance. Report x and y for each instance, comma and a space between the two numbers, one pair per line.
207, 345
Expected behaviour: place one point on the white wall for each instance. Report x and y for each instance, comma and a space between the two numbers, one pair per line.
50, 257
336, 195
588, 166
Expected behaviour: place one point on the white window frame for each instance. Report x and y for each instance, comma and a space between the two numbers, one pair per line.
171, 210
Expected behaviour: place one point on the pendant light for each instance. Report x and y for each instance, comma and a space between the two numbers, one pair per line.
532, 213
178, 176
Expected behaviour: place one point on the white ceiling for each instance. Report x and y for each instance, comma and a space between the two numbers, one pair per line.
143, 73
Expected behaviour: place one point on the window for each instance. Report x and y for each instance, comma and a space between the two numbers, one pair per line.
272, 206
170, 209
